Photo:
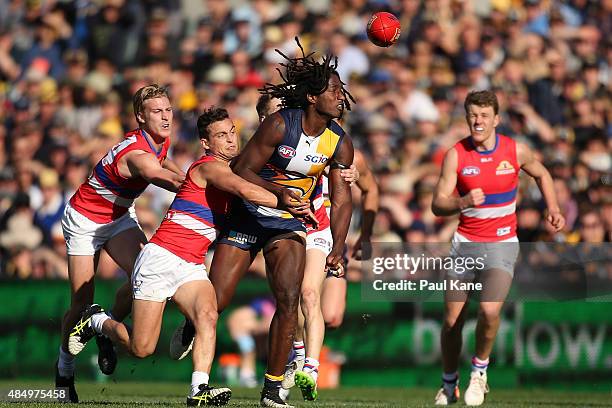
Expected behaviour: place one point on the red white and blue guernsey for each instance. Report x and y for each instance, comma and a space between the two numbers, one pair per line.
192, 222
106, 195
320, 204
496, 172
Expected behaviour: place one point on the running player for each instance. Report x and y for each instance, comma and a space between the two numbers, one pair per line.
171, 265
101, 215
484, 169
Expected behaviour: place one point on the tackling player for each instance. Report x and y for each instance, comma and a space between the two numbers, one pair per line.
101, 215
171, 265
484, 168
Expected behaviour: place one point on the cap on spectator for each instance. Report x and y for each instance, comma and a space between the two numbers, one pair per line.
76, 56
221, 74
473, 60
501, 5
532, 2
98, 82
22, 104
242, 15
48, 178
426, 113
380, 75
20, 233
48, 91
251, 80
377, 123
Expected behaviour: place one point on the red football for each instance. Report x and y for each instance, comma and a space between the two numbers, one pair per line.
383, 29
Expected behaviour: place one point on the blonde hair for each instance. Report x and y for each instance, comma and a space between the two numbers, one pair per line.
147, 92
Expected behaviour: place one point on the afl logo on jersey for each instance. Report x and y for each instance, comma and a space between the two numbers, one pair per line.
470, 171
286, 152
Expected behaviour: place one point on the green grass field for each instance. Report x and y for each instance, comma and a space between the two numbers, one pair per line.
171, 394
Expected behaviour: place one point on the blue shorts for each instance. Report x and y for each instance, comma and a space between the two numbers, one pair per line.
249, 230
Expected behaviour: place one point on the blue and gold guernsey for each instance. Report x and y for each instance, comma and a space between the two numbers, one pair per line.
299, 160
297, 163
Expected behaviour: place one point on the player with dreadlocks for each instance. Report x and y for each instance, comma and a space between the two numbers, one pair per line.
286, 156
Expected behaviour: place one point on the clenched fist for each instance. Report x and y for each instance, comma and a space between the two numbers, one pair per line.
472, 199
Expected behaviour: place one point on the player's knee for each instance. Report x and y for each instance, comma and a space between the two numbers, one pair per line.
206, 318
452, 323
333, 320
311, 298
288, 302
142, 350
489, 315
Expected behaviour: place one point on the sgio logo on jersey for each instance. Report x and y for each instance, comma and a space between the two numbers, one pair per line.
315, 158
286, 152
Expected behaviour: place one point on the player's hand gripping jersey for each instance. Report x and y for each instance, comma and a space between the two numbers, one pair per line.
496, 173
106, 195
299, 160
193, 219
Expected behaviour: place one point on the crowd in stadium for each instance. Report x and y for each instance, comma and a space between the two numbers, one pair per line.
68, 71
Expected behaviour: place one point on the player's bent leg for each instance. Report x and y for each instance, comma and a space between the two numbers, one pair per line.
123, 248
196, 300
147, 319
333, 301
81, 271
228, 266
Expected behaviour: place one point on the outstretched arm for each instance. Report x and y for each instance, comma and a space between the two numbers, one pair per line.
445, 202
535, 169
145, 165
173, 167
341, 200
221, 176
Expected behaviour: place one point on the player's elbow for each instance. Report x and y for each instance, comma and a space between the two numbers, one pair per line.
435, 208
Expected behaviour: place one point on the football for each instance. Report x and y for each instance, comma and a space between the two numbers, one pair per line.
383, 29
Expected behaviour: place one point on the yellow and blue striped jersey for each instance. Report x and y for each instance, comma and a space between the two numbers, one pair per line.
299, 160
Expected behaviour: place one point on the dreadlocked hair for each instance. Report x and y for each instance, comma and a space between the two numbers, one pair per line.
304, 76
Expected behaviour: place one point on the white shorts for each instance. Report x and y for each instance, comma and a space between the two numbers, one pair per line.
158, 273
85, 237
321, 240
493, 255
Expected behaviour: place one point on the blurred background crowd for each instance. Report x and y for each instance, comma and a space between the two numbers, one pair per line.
68, 70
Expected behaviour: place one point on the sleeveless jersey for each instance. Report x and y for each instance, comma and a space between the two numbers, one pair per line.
106, 195
321, 203
299, 160
193, 219
496, 173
